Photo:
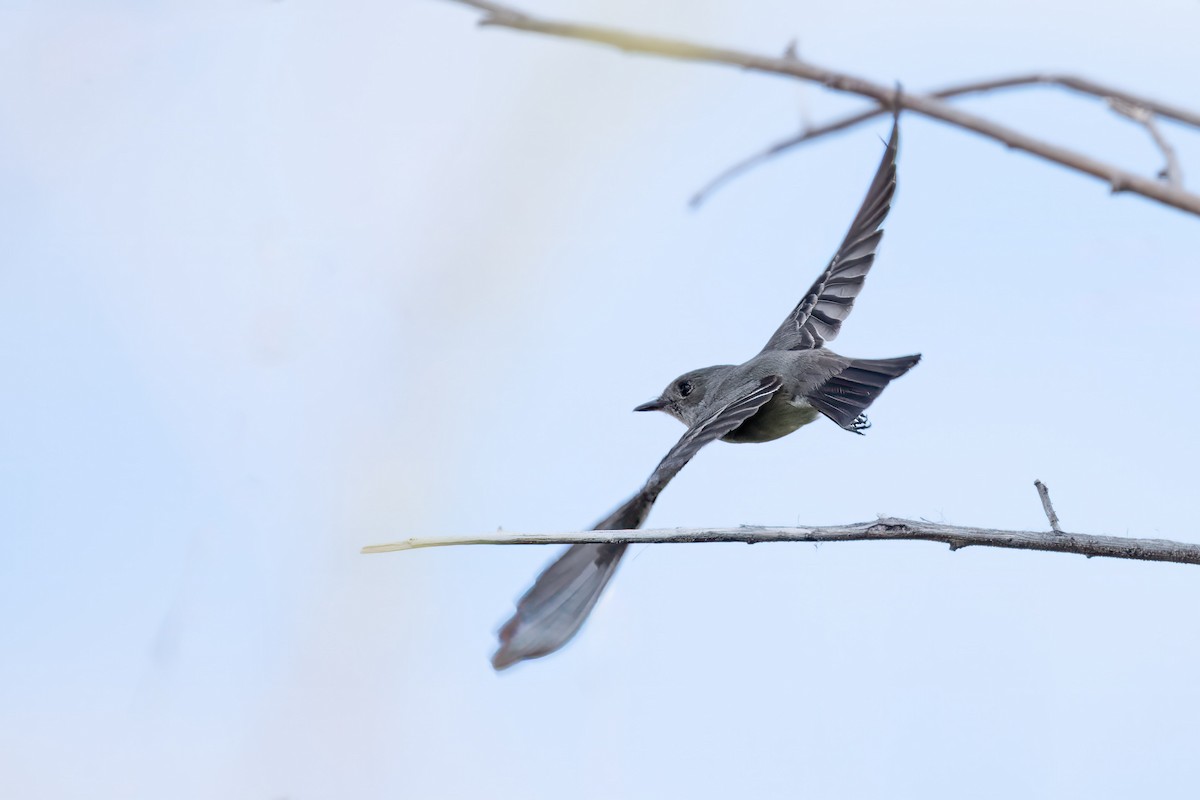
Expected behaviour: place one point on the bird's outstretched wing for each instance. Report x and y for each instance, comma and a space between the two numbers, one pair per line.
818, 317
561, 598
713, 427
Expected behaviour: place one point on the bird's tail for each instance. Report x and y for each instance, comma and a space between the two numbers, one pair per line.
844, 397
558, 602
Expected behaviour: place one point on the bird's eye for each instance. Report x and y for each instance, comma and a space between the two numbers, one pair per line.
685, 388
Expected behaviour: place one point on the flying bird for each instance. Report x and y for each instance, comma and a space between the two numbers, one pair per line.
788, 384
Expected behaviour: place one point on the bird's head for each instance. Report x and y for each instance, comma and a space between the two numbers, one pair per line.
684, 397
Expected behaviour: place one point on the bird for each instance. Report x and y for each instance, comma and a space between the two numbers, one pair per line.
791, 382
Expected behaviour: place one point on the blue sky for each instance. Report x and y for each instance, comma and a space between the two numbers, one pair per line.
282, 279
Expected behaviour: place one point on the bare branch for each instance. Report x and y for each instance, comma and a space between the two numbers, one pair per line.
1080, 85
1085, 86
806, 135
1143, 117
1047, 506
886, 529
1117, 179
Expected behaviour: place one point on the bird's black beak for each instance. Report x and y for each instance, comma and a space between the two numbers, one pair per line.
658, 404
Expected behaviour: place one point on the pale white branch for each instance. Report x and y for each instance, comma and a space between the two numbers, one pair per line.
886, 529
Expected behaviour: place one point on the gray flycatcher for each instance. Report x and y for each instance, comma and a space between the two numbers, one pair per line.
792, 381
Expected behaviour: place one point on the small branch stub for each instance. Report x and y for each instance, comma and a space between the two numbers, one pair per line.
1047, 506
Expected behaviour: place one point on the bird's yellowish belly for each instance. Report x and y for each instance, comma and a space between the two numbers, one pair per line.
777, 418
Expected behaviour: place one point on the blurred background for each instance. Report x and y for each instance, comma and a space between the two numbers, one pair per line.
283, 279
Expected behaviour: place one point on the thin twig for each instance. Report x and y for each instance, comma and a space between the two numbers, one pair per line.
1047, 506
1073, 83
1085, 86
806, 135
1145, 118
881, 530
1118, 180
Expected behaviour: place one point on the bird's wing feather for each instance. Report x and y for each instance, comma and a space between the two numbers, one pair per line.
818, 317
561, 598
713, 427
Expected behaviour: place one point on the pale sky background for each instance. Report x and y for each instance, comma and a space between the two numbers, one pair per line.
281, 279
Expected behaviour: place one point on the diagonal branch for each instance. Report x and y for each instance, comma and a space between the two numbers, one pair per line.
1073, 83
885, 529
1145, 118
1118, 180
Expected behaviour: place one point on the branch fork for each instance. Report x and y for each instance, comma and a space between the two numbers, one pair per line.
1168, 192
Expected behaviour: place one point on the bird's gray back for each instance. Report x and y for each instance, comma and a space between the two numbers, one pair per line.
801, 370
